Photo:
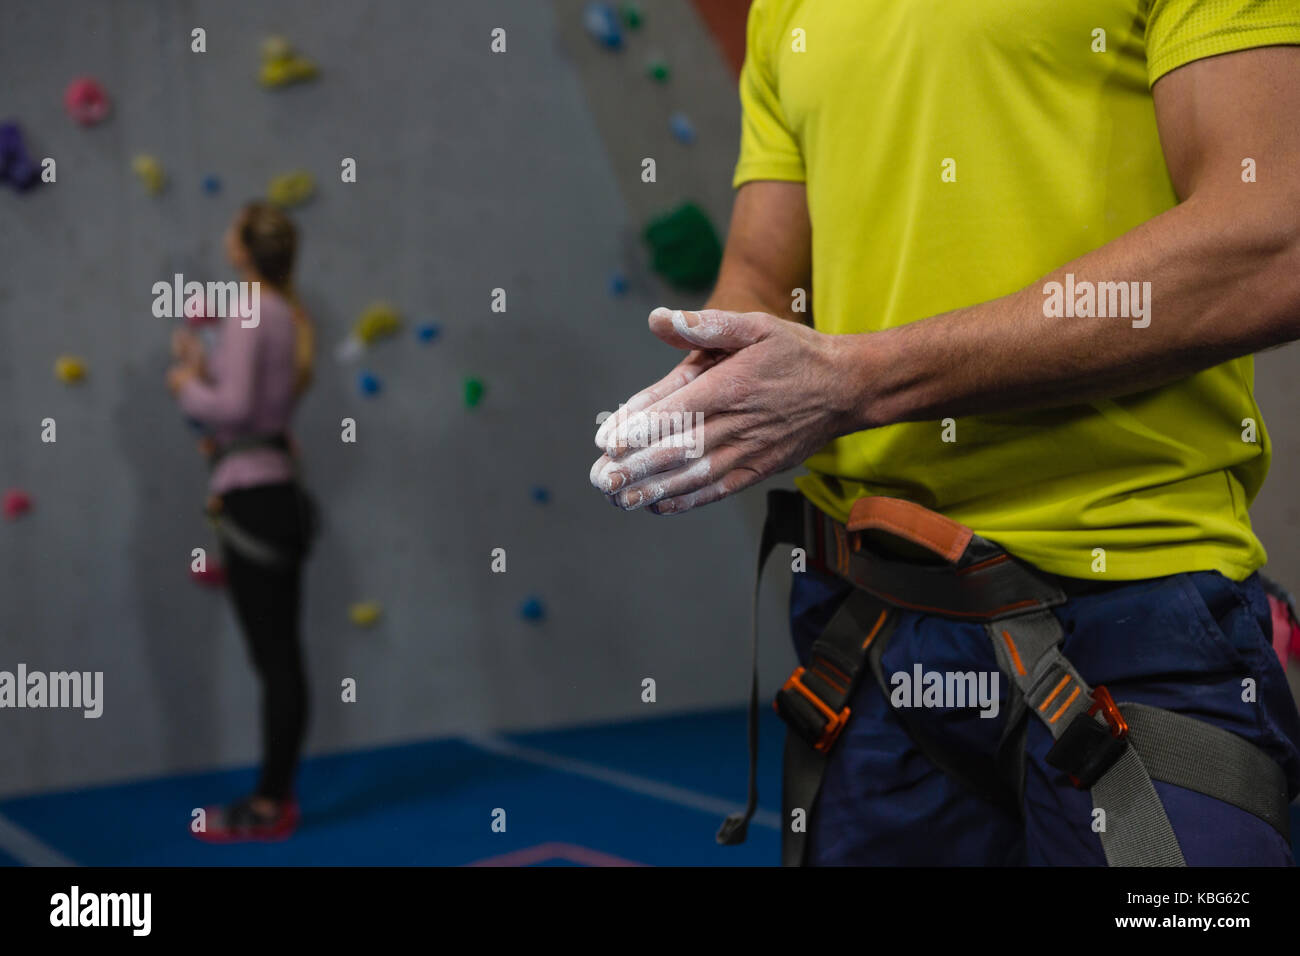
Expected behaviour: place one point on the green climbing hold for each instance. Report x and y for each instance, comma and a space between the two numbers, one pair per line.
657, 70
684, 247
632, 17
474, 389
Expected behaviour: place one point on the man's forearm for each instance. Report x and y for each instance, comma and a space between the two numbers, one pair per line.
1224, 282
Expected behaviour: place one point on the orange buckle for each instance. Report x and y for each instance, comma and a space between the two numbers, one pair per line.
1101, 700
834, 722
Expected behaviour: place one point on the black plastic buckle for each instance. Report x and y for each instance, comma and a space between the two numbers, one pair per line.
808, 715
1087, 749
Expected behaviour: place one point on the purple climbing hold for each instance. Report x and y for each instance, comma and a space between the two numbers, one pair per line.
15, 165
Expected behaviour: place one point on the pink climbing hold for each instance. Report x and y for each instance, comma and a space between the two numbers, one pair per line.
86, 101
213, 577
1286, 632
16, 502
196, 312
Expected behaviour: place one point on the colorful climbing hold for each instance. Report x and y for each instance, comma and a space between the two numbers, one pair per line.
281, 66
658, 71
682, 129
428, 332
684, 247
69, 369
540, 494
291, 189
364, 613
213, 576
632, 16
378, 321
211, 185
474, 389
86, 101
15, 165
150, 172
16, 502
369, 384
602, 24
532, 610
617, 284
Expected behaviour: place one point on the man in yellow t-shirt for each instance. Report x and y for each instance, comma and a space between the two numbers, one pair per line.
1009, 261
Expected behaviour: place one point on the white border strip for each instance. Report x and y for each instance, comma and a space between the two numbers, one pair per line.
26, 848
617, 778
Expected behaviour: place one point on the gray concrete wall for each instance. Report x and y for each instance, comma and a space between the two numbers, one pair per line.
475, 171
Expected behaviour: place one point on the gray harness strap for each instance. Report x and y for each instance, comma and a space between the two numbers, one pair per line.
1198, 756
246, 545
1134, 828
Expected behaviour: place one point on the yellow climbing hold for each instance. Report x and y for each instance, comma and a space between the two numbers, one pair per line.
365, 613
378, 321
292, 188
281, 66
69, 369
150, 172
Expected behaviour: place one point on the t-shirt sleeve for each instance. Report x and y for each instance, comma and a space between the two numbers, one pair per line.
768, 149
1180, 31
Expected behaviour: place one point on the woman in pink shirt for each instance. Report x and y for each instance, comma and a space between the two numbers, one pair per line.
244, 394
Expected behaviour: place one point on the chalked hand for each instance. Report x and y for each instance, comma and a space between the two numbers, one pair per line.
758, 395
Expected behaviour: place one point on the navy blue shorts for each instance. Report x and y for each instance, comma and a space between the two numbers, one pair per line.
1187, 643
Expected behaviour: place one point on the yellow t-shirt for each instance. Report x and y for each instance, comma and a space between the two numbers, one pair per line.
955, 152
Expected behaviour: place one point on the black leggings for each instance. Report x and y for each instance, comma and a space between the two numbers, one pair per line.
267, 601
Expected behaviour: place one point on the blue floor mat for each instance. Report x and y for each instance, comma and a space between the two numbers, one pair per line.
432, 803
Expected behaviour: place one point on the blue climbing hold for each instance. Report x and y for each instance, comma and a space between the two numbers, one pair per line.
532, 610
368, 384
211, 185
682, 129
602, 23
540, 494
617, 284
427, 333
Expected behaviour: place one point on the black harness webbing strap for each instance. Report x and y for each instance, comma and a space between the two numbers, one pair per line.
777, 526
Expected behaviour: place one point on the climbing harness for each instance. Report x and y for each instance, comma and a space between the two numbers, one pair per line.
240, 540
936, 566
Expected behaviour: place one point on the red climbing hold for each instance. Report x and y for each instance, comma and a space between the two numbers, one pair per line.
86, 101
16, 502
213, 577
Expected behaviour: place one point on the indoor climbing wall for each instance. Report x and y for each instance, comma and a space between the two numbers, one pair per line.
474, 172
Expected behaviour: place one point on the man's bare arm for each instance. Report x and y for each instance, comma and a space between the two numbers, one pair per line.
1224, 268
768, 253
